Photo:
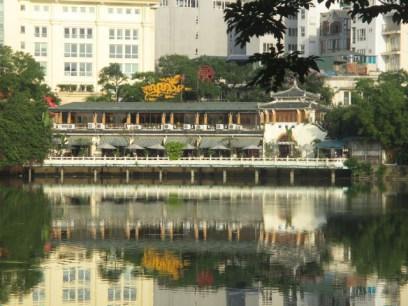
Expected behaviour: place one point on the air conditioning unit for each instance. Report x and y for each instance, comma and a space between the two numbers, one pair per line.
65, 126
219, 126
134, 127
100, 126
91, 125
201, 127
187, 126
167, 126
234, 126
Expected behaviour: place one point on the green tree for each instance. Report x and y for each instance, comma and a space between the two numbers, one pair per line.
25, 128
248, 19
174, 150
112, 80
21, 74
379, 112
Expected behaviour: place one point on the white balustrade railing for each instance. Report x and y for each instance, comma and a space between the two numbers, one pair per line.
259, 162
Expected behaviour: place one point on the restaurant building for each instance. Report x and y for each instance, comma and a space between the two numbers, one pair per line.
286, 126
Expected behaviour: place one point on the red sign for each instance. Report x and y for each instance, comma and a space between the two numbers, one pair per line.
206, 73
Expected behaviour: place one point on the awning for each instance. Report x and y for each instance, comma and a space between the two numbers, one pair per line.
242, 142
220, 147
134, 146
117, 141
106, 146
148, 141
331, 144
189, 147
156, 147
79, 141
209, 142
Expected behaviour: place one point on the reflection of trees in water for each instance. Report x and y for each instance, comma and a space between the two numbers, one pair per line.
24, 227
378, 243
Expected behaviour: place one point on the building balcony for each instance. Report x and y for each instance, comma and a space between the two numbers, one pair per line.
154, 127
391, 28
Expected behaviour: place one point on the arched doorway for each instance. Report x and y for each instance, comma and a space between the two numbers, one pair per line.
286, 144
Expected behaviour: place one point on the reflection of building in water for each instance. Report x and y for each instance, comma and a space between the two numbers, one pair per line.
74, 276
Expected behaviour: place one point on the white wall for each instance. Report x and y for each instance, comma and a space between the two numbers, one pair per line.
303, 134
191, 31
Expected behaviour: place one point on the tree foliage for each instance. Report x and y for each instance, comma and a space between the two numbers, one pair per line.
379, 112
112, 80
25, 127
248, 19
174, 150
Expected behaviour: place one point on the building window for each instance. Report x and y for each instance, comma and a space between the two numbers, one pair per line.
68, 295
119, 11
302, 49
119, 34
73, 9
65, 9
85, 69
85, 50
22, 8
36, 8
110, 10
91, 10
361, 34
43, 66
303, 14
70, 69
128, 11
84, 275
302, 31
22, 29
22, 45
74, 33
131, 51
346, 97
135, 34
82, 9
129, 294
267, 47
89, 33
68, 274
84, 294
127, 34
129, 69
38, 295
70, 50
115, 51
40, 49
111, 34
81, 32
114, 294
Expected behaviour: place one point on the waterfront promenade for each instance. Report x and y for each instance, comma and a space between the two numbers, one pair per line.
96, 165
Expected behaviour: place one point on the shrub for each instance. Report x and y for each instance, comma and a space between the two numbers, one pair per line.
174, 150
358, 168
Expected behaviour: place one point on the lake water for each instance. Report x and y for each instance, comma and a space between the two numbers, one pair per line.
150, 245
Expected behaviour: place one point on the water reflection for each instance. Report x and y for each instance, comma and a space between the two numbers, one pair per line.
150, 245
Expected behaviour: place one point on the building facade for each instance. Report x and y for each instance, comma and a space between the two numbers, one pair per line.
192, 28
74, 40
288, 124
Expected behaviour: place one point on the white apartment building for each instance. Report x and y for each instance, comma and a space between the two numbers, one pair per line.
191, 27
73, 40
303, 30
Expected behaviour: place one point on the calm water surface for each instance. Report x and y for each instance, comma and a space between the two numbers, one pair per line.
196, 245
